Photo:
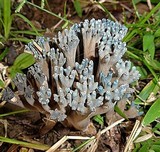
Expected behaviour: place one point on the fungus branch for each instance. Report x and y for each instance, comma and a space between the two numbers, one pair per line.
70, 88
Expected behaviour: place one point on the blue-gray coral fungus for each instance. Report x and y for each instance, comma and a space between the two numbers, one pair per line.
78, 74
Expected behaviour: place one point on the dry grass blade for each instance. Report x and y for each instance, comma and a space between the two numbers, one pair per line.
58, 144
5, 79
3, 75
135, 131
149, 4
143, 138
2, 103
62, 140
37, 46
4, 122
90, 146
113, 125
93, 144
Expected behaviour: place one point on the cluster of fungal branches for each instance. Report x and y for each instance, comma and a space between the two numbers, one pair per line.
78, 74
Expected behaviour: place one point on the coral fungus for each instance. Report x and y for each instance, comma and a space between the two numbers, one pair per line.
78, 74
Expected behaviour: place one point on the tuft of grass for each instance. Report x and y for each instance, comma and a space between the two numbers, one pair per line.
6, 19
142, 38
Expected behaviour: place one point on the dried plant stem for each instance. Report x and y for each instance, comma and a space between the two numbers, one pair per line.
56, 145
65, 138
90, 139
149, 4
91, 145
112, 125
132, 135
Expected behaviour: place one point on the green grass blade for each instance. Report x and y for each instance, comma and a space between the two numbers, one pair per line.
150, 69
1, 7
28, 21
154, 64
156, 8
24, 144
134, 6
120, 112
2, 85
1, 15
3, 54
64, 19
1, 24
77, 7
18, 9
13, 113
27, 32
144, 148
107, 12
155, 148
65, 15
157, 127
7, 17
82, 145
22, 39
42, 3
152, 114
142, 72
99, 119
157, 33
132, 55
23, 61
130, 35
148, 44
147, 90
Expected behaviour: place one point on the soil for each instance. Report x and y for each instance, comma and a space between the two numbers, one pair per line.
26, 126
